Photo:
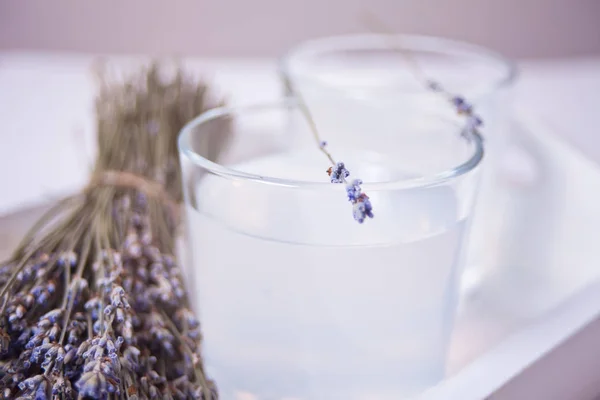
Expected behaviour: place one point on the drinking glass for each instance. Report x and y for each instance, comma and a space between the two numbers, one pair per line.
370, 75
298, 300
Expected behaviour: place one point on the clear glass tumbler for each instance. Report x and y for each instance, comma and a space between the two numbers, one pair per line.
369, 75
297, 300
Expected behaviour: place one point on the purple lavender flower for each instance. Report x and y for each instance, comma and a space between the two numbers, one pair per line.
339, 173
362, 209
35, 387
96, 384
118, 298
462, 107
93, 306
465, 108
70, 355
185, 319
61, 386
52, 316
458, 101
323, 144
353, 190
67, 258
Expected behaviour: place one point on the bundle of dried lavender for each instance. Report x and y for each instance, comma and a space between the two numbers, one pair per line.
92, 303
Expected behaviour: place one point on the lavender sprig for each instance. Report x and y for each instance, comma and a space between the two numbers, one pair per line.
462, 107
338, 173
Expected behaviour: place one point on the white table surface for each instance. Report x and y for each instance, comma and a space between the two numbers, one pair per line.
46, 149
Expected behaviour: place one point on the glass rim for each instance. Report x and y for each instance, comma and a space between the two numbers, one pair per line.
215, 168
434, 44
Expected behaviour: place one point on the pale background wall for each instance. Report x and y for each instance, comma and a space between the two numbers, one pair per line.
519, 28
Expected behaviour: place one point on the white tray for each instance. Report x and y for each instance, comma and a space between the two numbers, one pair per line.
517, 325
526, 329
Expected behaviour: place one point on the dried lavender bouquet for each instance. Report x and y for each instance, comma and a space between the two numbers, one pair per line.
92, 303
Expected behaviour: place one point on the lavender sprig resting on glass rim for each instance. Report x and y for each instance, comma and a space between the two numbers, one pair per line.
361, 206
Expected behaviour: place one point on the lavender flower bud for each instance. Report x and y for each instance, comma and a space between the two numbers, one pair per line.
35, 341
54, 332
70, 356
40, 274
465, 108
99, 352
110, 347
362, 209
116, 295
83, 347
91, 384
339, 173
31, 383
168, 261
44, 324
194, 334
457, 101
353, 190
52, 316
18, 313
98, 327
59, 386
28, 300
67, 258
114, 359
120, 315
127, 331
42, 391
21, 340
185, 318
52, 351
142, 273
43, 297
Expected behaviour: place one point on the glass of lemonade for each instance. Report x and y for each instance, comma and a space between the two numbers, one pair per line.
369, 75
296, 299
